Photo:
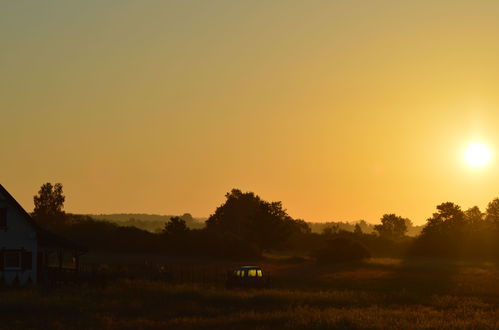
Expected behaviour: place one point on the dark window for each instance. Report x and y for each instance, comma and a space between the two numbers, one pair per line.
3, 217
27, 260
12, 259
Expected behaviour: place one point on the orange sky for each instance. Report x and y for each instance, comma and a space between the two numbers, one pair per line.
343, 110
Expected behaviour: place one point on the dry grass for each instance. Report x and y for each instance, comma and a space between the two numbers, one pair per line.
424, 294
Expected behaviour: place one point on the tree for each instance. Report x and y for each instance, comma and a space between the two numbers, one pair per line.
364, 226
49, 205
446, 233
492, 212
358, 229
247, 216
448, 219
474, 216
331, 230
392, 227
175, 226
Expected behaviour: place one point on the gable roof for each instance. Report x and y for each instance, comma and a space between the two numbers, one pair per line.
45, 237
18, 206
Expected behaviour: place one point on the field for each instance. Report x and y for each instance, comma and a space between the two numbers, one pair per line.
379, 294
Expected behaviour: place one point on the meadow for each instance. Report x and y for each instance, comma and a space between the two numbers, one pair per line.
376, 294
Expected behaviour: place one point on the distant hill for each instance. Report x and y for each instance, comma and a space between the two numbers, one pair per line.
150, 222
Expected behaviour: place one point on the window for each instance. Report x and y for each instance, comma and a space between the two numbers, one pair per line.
252, 272
259, 273
12, 259
27, 260
3, 217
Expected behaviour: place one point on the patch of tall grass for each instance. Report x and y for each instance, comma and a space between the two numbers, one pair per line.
466, 296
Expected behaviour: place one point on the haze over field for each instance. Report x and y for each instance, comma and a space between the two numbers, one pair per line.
343, 110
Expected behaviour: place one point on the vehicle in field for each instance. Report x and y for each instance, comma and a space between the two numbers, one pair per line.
247, 277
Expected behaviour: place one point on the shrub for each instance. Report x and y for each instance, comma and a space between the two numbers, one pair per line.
341, 250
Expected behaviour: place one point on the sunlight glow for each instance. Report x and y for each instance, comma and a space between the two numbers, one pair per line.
477, 155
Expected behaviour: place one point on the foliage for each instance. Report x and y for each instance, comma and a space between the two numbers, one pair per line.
331, 230
357, 230
367, 228
341, 250
151, 222
49, 205
175, 226
247, 216
392, 227
99, 235
492, 213
451, 232
245, 225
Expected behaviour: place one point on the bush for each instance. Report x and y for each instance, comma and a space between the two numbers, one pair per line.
341, 250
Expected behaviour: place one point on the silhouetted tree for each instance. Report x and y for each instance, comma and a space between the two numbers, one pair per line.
366, 228
187, 217
357, 230
474, 216
331, 230
392, 227
175, 226
447, 233
254, 220
448, 219
492, 212
49, 204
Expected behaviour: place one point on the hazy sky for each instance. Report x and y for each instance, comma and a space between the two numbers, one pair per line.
343, 110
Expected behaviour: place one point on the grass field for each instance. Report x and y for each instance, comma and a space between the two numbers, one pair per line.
379, 294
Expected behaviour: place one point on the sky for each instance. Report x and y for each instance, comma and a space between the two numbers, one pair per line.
342, 110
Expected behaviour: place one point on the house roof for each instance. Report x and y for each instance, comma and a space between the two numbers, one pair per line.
45, 237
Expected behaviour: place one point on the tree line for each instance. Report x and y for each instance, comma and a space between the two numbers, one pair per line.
246, 226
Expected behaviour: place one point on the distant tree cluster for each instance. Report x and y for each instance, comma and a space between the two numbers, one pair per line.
339, 245
245, 225
359, 226
452, 232
150, 222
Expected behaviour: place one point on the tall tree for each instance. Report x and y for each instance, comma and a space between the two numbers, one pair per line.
254, 220
392, 226
49, 205
445, 232
448, 219
474, 216
492, 212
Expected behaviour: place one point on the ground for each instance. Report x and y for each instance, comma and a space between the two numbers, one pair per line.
378, 294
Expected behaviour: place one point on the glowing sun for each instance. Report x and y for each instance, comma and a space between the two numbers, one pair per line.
477, 155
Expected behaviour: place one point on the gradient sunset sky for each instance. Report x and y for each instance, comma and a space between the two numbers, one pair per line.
342, 110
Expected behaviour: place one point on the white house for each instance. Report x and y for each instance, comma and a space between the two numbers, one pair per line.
26, 249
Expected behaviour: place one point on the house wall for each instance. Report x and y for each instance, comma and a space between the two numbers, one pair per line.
19, 234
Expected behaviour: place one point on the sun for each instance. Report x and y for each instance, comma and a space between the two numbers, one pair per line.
477, 155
